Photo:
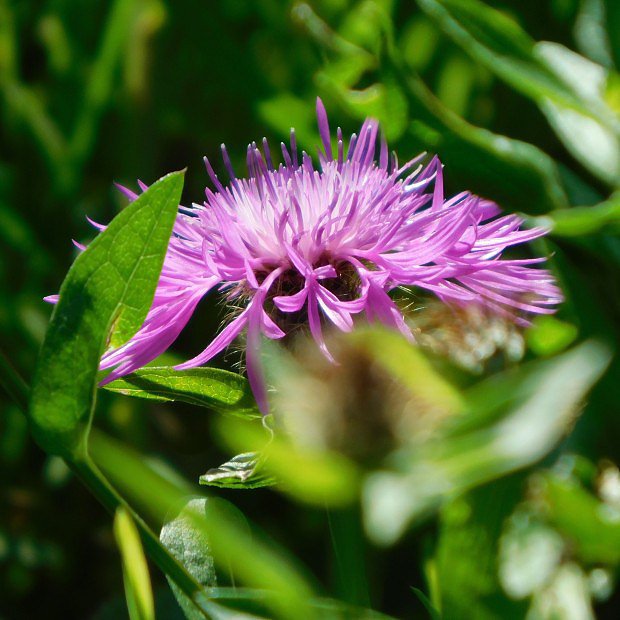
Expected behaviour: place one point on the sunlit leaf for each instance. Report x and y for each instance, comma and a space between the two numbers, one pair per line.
594, 143
498, 42
241, 472
367, 23
205, 387
104, 298
285, 111
542, 408
419, 42
135, 569
384, 101
548, 335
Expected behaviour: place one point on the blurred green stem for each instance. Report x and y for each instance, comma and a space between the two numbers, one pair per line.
13, 384
349, 555
99, 89
65, 158
88, 472
21, 102
537, 166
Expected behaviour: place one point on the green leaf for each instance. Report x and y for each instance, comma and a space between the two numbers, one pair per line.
135, 570
310, 475
548, 335
241, 472
284, 111
581, 221
568, 88
542, 404
205, 387
589, 32
252, 561
591, 525
190, 546
384, 101
516, 173
496, 41
595, 144
104, 299
469, 531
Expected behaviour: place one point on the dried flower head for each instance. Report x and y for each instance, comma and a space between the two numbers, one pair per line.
298, 245
471, 336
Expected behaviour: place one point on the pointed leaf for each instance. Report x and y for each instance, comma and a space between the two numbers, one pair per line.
105, 296
205, 387
135, 570
241, 472
500, 44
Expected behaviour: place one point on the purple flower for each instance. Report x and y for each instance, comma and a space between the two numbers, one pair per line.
295, 245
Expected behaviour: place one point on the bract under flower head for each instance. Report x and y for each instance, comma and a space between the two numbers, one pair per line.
295, 244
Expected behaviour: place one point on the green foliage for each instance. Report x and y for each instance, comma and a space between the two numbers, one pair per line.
495, 497
560, 566
581, 221
548, 335
569, 88
191, 547
592, 141
497, 42
470, 528
505, 430
309, 475
213, 388
135, 569
241, 472
233, 546
103, 302
596, 534
529, 178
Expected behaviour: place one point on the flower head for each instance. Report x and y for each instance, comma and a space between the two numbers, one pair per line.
298, 244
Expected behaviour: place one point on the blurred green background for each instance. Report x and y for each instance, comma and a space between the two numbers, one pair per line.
94, 91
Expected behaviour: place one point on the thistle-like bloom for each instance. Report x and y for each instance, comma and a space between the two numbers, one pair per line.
297, 245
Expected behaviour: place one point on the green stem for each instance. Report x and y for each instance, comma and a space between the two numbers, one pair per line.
100, 85
345, 529
88, 472
13, 384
